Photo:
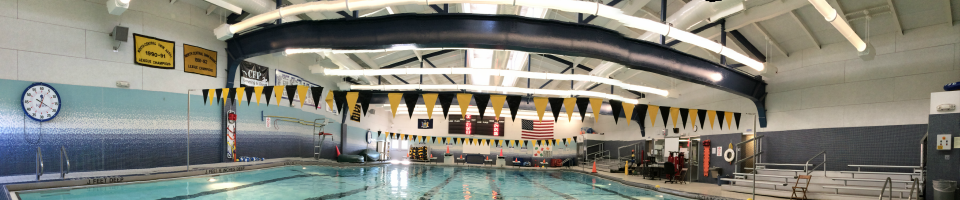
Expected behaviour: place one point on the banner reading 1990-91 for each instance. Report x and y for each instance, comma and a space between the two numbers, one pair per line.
153, 52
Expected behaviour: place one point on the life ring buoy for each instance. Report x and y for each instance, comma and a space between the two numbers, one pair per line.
729, 155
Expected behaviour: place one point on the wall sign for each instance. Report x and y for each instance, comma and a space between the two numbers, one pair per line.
199, 60
154, 52
285, 78
424, 123
252, 74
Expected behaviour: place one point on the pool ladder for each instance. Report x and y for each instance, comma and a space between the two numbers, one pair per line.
63, 157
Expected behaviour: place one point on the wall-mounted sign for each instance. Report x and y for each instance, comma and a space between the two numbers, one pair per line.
153, 52
199, 60
355, 114
252, 74
424, 123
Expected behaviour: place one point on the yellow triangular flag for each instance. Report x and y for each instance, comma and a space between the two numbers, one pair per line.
211, 93
430, 99
240, 93
497, 101
257, 91
628, 111
328, 99
541, 103
278, 92
595, 104
302, 92
693, 118
711, 114
674, 113
652, 111
569, 103
464, 100
394, 102
352, 99
225, 92
729, 117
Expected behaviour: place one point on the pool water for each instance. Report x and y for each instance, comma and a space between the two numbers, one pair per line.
375, 182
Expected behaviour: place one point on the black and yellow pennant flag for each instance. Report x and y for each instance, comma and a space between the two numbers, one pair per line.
249, 94
462, 140
278, 92
231, 95
674, 113
702, 116
445, 100
616, 107
394, 102
329, 100
720, 116
729, 118
711, 114
423, 139
220, 92
433, 140
291, 92
582, 106
595, 104
390, 134
684, 114
316, 93
302, 93
736, 119
267, 93
488, 142
430, 100
556, 104
568, 103
240, 91
207, 93
352, 99
411, 100
541, 105
664, 114
443, 140
513, 102
652, 111
497, 101
564, 141
464, 100
482, 100
628, 111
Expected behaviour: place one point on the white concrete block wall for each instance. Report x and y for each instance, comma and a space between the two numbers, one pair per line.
831, 87
66, 41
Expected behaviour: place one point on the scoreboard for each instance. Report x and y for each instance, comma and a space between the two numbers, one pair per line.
473, 125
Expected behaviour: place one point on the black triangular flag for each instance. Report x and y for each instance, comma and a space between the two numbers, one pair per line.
564, 141
249, 94
514, 103
268, 93
291, 91
232, 95
736, 117
526, 143
205, 93
445, 100
340, 98
617, 107
539, 142
664, 114
582, 104
443, 139
378, 134
364, 99
219, 91
482, 101
684, 112
411, 99
640, 114
317, 93
701, 115
720, 115
433, 139
556, 104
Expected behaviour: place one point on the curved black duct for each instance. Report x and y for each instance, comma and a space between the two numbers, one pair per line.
495, 32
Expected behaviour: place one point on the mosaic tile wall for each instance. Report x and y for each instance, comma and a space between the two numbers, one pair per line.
938, 166
872, 145
112, 128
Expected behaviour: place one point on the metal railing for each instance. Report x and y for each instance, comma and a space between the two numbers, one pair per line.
810, 170
914, 186
888, 182
619, 149
39, 163
64, 157
756, 147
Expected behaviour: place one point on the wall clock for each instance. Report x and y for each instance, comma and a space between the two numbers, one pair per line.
41, 102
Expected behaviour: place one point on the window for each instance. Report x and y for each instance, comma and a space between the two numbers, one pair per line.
400, 144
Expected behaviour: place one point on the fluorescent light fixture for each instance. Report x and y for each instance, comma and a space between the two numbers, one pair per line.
477, 87
402, 87
381, 72
695, 40
366, 87
526, 74
429, 70
737, 56
343, 72
477, 72
830, 14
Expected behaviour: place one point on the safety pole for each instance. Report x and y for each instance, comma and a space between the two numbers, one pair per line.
663, 19
188, 129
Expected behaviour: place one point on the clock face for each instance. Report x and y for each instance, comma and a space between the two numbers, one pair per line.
41, 102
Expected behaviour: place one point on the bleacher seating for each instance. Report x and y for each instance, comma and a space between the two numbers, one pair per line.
863, 184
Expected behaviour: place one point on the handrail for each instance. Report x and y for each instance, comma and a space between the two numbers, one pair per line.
39, 163
916, 183
64, 156
884, 188
810, 171
621, 147
751, 139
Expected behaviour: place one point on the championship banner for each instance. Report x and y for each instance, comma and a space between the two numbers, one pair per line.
284, 78
199, 60
230, 134
153, 52
424, 123
252, 74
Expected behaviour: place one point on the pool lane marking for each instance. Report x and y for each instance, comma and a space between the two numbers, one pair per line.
601, 188
355, 191
429, 194
493, 185
237, 188
565, 196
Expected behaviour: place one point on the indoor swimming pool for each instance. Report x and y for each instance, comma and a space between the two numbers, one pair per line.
380, 182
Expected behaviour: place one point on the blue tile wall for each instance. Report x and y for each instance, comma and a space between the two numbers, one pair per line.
113, 129
872, 145
938, 167
717, 161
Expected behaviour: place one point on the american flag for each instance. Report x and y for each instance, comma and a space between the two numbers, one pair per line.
537, 130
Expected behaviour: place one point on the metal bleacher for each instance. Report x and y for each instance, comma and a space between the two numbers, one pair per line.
776, 179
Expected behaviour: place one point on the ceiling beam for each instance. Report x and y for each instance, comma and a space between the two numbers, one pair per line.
793, 14
409, 60
896, 18
771, 40
745, 44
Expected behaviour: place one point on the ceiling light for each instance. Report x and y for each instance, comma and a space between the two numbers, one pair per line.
117, 7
